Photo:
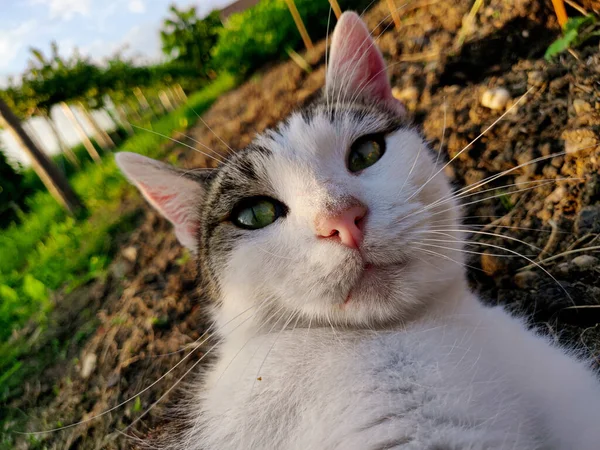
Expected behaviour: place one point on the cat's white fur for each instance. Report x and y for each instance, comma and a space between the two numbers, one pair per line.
413, 360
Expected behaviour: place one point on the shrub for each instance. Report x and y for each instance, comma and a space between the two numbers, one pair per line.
263, 32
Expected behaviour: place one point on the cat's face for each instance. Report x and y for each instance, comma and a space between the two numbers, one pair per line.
321, 217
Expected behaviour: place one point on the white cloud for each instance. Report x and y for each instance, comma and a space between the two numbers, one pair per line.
137, 6
66, 9
141, 41
13, 40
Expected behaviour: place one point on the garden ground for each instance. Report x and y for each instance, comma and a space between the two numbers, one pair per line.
134, 323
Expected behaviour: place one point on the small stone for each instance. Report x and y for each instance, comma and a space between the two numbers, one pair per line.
120, 268
581, 106
113, 380
474, 176
563, 269
409, 94
526, 279
588, 220
585, 261
536, 78
130, 254
491, 264
579, 140
557, 195
450, 172
88, 364
496, 98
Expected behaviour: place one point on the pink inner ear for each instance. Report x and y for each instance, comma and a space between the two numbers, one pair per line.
356, 64
168, 205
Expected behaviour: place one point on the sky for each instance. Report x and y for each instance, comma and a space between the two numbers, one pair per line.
97, 28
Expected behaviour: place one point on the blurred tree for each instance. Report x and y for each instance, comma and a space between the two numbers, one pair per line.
54, 181
11, 191
188, 39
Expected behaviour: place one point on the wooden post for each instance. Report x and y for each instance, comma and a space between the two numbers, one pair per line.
164, 99
85, 140
299, 24
394, 12
123, 119
55, 182
102, 136
336, 8
64, 148
180, 93
561, 11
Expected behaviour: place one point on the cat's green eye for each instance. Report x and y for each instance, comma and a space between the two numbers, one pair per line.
365, 152
257, 212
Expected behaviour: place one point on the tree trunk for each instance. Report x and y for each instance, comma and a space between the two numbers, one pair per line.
85, 140
55, 182
102, 136
64, 148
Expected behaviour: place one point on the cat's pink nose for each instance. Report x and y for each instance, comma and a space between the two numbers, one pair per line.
345, 225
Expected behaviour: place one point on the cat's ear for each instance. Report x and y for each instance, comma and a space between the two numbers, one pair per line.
356, 67
174, 193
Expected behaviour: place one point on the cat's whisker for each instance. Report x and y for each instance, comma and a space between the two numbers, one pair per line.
285, 325
531, 261
230, 150
133, 397
264, 302
536, 183
508, 227
486, 233
326, 90
220, 341
446, 257
508, 111
183, 143
441, 147
426, 208
266, 321
426, 242
273, 254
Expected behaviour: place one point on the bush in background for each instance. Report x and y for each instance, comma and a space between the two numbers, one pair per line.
262, 33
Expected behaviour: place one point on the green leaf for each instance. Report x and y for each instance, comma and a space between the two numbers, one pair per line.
34, 289
561, 44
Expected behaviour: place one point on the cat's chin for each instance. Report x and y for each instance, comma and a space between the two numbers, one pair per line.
375, 285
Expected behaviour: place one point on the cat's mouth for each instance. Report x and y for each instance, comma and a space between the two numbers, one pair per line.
373, 279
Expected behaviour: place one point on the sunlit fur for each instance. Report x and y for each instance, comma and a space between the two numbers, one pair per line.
410, 360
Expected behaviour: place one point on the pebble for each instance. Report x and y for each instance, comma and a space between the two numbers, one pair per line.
492, 265
409, 94
557, 195
88, 364
581, 106
563, 268
579, 140
130, 254
588, 220
536, 78
496, 98
526, 279
585, 261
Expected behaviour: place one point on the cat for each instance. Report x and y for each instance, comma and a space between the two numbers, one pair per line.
331, 248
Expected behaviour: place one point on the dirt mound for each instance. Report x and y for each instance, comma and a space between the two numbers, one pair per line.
548, 211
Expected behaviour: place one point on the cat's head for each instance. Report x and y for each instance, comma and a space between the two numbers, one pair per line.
325, 215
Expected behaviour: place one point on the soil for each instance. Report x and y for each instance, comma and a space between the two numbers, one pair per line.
542, 217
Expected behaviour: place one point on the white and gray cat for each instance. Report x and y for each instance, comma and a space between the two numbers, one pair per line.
331, 247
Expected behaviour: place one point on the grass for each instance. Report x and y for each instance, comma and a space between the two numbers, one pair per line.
49, 250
